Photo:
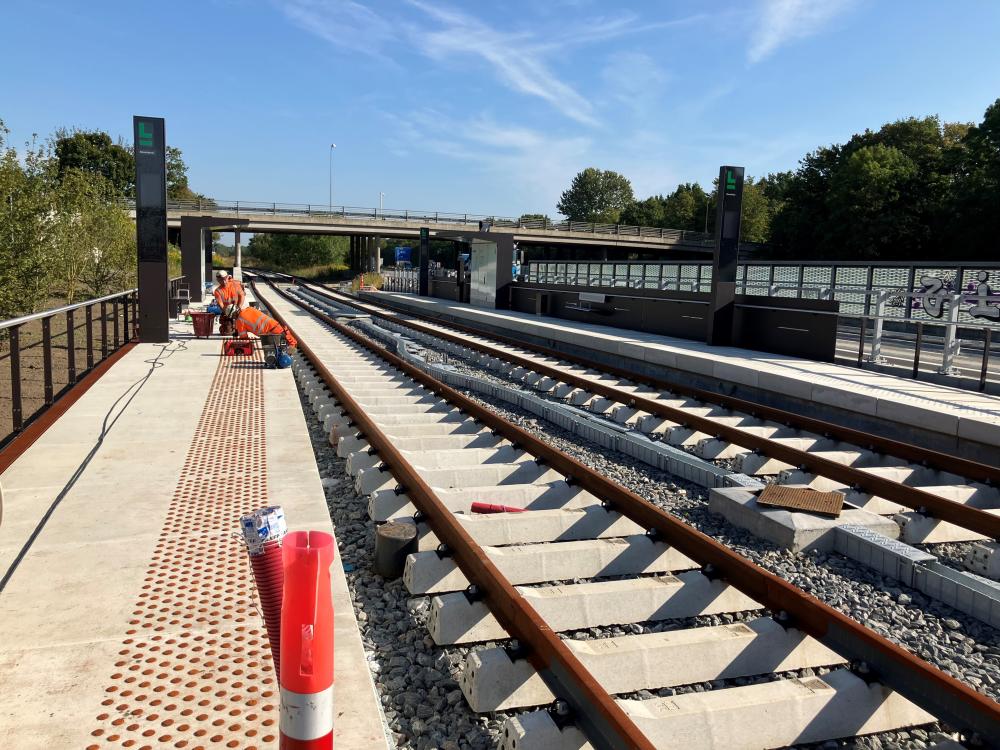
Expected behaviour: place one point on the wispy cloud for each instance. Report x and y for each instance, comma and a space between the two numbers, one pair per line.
343, 23
541, 163
782, 21
635, 80
510, 56
518, 59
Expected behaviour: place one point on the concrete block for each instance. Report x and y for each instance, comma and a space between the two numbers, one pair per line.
491, 681
454, 619
916, 528
429, 573
794, 530
983, 558
889, 557
774, 714
977, 597
535, 527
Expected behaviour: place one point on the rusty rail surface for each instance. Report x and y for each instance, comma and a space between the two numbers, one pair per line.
914, 678
604, 721
935, 506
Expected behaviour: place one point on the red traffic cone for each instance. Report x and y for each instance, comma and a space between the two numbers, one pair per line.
306, 712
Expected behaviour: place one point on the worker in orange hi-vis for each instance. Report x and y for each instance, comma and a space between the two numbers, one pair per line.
274, 336
231, 298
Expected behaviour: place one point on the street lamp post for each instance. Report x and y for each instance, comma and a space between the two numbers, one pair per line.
332, 147
380, 197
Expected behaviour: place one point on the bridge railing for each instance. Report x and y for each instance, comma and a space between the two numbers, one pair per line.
437, 217
44, 354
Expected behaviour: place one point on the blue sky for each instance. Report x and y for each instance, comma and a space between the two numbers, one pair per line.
489, 107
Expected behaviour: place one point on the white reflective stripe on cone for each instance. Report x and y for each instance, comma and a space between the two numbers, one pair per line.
306, 716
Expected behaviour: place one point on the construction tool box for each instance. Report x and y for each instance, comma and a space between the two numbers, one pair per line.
237, 347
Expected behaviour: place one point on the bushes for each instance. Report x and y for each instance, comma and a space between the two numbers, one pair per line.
367, 279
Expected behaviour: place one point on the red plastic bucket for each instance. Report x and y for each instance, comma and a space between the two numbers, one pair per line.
203, 323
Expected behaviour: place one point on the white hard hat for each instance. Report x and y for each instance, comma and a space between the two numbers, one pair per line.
221, 274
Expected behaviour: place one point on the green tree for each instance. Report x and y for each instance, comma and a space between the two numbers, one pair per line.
645, 213
974, 203
27, 209
286, 252
177, 178
596, 195
868, 202
95, 152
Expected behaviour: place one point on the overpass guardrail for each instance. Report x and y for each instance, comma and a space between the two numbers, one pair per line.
438, 217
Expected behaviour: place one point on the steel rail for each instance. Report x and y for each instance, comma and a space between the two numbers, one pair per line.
603, 720
933, 505
914, 678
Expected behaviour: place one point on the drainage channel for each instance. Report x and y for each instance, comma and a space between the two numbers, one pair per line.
630, 575
933, 497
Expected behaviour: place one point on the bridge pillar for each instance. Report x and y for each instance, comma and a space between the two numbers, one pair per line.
208, 254
238, 261
193, 250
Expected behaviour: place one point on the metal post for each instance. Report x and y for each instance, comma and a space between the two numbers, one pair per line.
114, 319
910, 281
104, 330
876, 357
986, 359
952, 344
47, 359
126, 334
70, 348
916, 350
15, 377
861, 340
90, 335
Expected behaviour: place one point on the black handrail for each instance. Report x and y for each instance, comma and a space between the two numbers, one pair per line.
60, 376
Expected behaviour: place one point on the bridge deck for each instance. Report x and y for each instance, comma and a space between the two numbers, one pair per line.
131, 619
945, 418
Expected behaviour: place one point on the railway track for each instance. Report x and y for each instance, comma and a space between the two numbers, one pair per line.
934, 497
411, 440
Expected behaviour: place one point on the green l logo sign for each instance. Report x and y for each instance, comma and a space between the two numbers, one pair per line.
730, 179
145, 135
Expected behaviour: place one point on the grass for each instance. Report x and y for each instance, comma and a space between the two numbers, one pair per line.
323, 272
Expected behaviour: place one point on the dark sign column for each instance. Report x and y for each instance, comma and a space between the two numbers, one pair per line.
151, 227
729, 207
425, 262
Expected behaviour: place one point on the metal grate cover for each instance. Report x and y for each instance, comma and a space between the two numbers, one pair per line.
802, 498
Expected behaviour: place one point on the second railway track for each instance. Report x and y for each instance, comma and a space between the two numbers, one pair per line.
411, 440
934, 497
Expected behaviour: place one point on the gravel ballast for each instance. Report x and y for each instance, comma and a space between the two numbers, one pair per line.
417, 681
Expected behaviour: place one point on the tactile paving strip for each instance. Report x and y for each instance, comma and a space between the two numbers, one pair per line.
194, 670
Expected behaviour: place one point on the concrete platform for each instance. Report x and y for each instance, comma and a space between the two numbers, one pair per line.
949, 419
131, 619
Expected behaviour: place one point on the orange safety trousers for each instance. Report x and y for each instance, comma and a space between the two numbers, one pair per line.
252, 320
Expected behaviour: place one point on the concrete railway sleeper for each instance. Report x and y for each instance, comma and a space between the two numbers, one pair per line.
670, 571
950, 499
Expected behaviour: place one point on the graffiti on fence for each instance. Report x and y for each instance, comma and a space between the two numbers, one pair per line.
936, 291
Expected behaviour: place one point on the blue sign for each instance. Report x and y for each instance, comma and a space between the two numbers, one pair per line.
402, 253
